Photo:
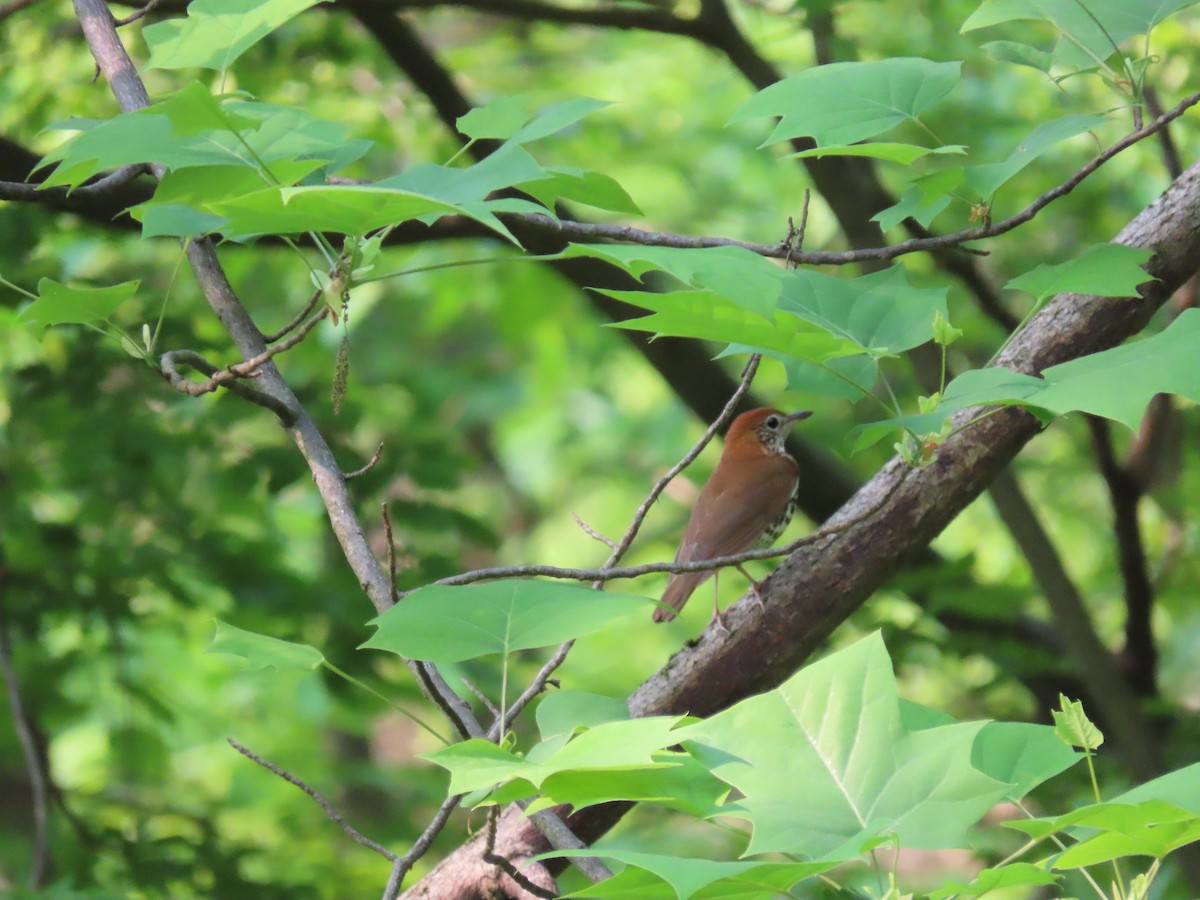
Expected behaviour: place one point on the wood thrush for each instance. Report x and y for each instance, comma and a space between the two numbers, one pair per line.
748, 500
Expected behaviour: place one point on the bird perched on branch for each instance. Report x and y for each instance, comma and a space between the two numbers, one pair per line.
748, 501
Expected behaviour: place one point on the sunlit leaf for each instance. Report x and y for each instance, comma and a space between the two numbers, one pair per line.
216, 32
61, 304
905, 154
824, 762
262, 651
1012, 875
841, 103
1105, 270
448, 623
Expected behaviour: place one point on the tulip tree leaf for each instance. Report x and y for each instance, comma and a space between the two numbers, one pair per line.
824, 763
264, 652
478, 764
842, 103
685, 877
60, 304
880, 312
448, 623
1105, 270
987, 178
507, 118
562, 712
216, 32
905, 154
714, 317
1011, 875
1022, 755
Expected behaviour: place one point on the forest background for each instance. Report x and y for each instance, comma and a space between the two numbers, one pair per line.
489, 407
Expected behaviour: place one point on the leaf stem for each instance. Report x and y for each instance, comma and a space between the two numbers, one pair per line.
396, 706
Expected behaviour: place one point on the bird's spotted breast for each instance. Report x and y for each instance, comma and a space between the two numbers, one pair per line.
776, 528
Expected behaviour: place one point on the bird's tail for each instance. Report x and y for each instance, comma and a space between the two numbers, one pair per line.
679, 588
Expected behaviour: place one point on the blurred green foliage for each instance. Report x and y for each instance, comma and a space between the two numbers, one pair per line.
131, 517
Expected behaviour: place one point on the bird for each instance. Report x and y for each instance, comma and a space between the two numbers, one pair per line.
748, 500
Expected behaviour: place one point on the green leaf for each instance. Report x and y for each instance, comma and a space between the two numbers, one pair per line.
975, 387
59, 304
1096, 25
1181, 787
711, 316
988, 178
824, 763
1119, 383
498, 120
1021, 755
562, 712
589, 188
1019, 54
450, 623
264, 652
915, 203
558, 117
905, 154
847, 377
477, 764
737, 274
842, 103
1105, 270
1073, 727
216, 32
150, 136
686, 876
680, 783
880, 312
1012, 875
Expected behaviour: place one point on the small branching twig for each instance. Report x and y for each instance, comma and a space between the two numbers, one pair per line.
353, 833
505, 865
420, 847
593, 533
486, 701
296, 322
371, 463
137, 14
168, 366
38, 782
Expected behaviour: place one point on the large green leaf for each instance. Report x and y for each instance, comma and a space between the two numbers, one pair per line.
711, 316
987, 178
842, 103
449, 623
508, 118
60, 304
478, 764
1105, 270
1012, 875
880, 312
1096, 28
1021, 755
216, 32
262, 651
562, 712
825, 764
193, 128
686, 877
739, 275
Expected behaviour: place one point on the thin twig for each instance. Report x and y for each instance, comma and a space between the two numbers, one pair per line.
168, 366
486, 701
33, 762
296, 322
353, 833
420, 847
593, 533
505, 865
136, 14
363, 470
563, 838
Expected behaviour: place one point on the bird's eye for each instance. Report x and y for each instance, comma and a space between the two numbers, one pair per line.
772, 421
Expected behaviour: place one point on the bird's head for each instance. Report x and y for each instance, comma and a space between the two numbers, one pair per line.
762, 430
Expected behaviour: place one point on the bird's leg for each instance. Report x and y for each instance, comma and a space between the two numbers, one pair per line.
718, 618
755, 587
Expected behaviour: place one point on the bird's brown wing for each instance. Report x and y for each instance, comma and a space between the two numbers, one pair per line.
730, 515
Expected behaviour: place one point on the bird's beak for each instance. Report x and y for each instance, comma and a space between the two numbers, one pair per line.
796, 416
